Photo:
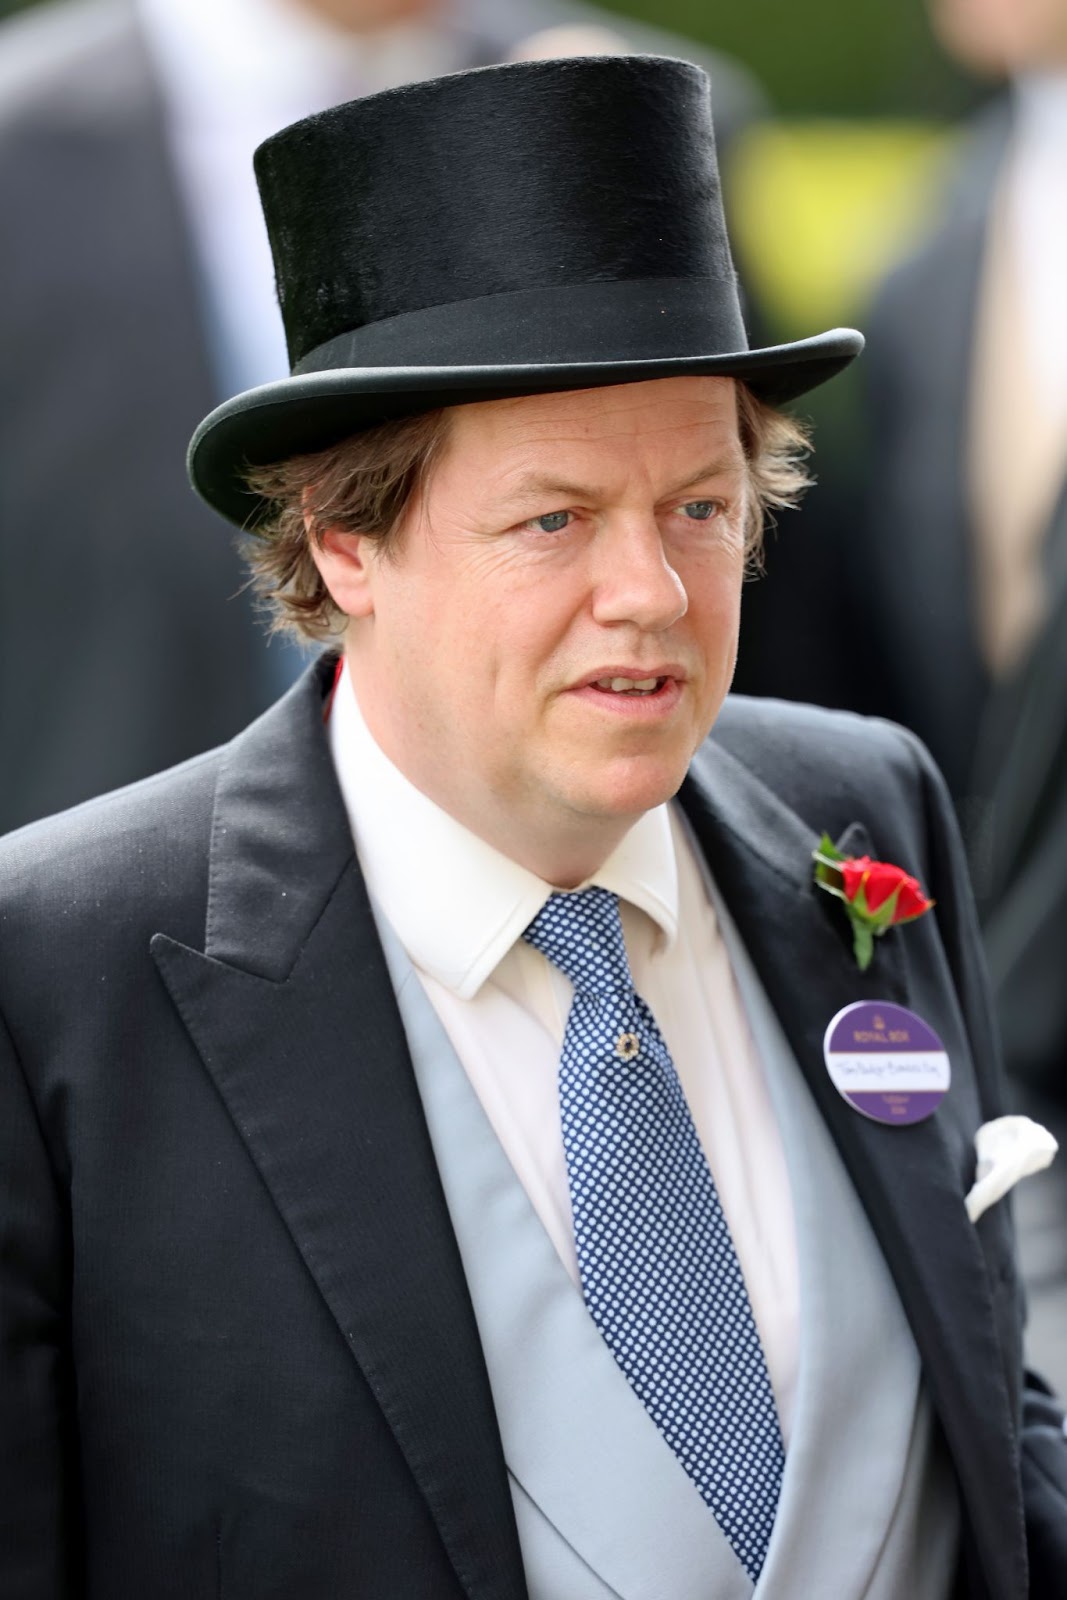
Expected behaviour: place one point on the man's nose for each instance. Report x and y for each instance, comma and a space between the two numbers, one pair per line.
633, 579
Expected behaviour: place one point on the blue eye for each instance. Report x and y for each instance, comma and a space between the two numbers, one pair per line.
553, 521
701, 510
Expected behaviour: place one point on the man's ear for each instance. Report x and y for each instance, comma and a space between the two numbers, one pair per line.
346, 563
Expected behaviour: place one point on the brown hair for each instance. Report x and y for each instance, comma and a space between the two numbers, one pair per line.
776, 448
366, 483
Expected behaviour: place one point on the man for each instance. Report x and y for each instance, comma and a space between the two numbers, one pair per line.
422, 1175
134, 241
964, 567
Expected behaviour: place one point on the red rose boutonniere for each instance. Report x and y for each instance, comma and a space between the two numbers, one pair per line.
875, 894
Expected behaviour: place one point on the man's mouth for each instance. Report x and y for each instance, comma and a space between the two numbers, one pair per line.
631, 686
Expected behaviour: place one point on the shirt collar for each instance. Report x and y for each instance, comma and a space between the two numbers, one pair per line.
456, 903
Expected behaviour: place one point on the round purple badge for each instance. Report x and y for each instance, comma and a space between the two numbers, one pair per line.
886, 1062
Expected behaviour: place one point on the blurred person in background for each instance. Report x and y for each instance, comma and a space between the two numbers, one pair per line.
963, 585
135, 291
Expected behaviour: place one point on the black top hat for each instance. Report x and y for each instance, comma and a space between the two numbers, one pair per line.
511, 230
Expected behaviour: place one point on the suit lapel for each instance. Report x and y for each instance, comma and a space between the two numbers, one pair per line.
291, 1009
910, 1180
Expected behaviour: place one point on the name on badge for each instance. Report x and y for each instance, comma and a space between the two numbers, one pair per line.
886, 1062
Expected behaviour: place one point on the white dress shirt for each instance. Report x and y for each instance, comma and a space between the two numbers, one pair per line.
459, 908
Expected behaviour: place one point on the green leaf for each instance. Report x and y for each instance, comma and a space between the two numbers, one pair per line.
827, 859
862, 943
829, 878
883, 917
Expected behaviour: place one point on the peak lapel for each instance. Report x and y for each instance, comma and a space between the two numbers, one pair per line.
291, 1009
910, 1180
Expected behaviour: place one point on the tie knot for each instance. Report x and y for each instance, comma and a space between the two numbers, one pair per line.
581, 934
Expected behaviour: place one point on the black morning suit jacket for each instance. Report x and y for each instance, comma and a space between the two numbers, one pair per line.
127, 639
1002, 748
237, 1352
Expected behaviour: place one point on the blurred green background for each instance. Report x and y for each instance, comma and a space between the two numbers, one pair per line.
852, 58
835, 188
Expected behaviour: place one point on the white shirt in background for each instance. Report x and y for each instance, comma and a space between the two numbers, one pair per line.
233, 72
1037, 217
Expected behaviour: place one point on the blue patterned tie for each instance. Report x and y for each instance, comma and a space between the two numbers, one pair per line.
659, 1271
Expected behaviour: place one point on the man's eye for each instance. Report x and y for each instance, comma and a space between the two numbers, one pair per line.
700, 510
552, 521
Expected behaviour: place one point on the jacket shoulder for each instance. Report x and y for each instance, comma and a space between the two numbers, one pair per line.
807, 749
836, 768
135, 854
63, 63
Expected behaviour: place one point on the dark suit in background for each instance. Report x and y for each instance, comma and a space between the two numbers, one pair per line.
1001, 742
126, 642
122, 647
1001, 739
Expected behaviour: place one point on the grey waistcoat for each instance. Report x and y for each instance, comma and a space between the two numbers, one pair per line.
605, 1511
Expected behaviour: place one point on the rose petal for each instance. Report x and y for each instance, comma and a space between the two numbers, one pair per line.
852, 872
912, 901
883, 879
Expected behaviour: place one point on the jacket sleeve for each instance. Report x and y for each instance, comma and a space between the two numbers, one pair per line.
1044, 1472
40, 1532
1043, 1462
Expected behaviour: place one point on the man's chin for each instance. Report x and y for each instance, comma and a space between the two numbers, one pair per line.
630, 788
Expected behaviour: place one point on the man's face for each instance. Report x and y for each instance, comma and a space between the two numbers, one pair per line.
367, 16
1003, 36
556, 630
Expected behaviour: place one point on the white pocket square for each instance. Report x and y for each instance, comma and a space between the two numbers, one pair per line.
1009, 1148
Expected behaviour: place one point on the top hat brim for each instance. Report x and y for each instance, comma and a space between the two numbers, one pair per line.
309, 412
